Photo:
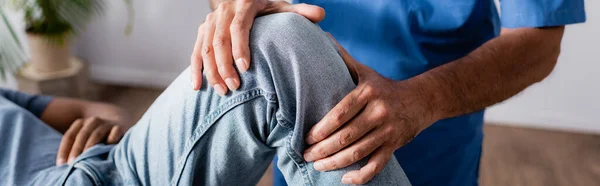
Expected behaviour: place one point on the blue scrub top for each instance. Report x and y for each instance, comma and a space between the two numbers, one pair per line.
403, 38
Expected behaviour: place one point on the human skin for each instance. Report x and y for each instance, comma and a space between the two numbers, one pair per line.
84, 124
381, 115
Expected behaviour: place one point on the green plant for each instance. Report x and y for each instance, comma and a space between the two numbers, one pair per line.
11, 52
56, 20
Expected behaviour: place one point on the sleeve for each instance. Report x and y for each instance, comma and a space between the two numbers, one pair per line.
541, 13
35, 104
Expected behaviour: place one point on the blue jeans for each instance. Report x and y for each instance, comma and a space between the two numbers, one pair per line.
200, 138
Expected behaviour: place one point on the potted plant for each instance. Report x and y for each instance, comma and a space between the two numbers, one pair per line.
11, 53
50, 27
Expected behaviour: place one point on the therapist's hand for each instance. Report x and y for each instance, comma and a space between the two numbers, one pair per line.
223, 39
85, 133
374, 120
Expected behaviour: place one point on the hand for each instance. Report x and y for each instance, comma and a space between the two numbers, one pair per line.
223, 39
85, 133
374, 120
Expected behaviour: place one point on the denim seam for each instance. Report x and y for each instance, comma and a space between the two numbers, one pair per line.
209, 120
298, 161
283, 121
91, 172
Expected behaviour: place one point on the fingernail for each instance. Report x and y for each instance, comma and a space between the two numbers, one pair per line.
310, 140
220, 89
71, 160
196, 87
60, 161
309, 157
242, 65
346, 180
319, 166
232, 83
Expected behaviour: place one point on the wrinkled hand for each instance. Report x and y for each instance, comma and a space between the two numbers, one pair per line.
374, 120
224, 38
85, 133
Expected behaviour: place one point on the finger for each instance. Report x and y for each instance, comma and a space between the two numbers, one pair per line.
348, 134
350, 62
115, 135
222, 46
340, 114
208, 58
88, 127
311, 12
196, 60
354, 153
376, 163
98, 135
240, 35
67, 142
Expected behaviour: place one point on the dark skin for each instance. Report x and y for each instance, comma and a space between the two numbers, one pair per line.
84, 124
382, 115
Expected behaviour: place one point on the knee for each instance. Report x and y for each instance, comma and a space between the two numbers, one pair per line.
285, 29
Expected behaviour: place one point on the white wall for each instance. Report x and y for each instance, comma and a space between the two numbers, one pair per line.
569, 99
157, 50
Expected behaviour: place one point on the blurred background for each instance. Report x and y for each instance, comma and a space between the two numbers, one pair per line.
547, 135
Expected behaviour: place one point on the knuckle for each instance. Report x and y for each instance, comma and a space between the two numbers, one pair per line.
94, 119
209, 17
221, 6
236, 27
219, 41
212, 74
382, 111
320, 152
369, 89
206, 51
344, 138
338, 117
388, 129
224, 6
333, 164
319, 135
117, 128
376, 167
223, 67
356, 155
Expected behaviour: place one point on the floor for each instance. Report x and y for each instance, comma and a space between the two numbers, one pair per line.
511, 155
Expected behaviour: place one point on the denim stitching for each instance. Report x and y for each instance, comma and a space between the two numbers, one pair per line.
298, 161
209, 121
283, 121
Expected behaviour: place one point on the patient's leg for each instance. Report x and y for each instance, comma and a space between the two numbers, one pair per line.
187, 137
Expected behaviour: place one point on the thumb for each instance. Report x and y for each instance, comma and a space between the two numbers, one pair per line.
311, 12
351, 63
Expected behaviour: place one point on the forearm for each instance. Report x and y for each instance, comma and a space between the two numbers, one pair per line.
62, 112
494, 72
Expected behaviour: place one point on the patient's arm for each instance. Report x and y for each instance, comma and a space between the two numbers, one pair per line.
62, 112
84, 124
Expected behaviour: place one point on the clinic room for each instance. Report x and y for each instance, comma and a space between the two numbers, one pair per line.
300, 92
